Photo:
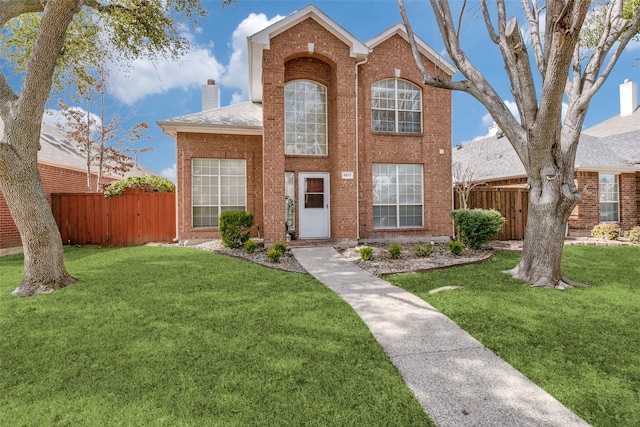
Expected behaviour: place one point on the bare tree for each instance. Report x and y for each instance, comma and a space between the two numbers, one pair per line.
545, 145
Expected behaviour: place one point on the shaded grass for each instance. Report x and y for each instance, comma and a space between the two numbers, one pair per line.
160, 336
582, 346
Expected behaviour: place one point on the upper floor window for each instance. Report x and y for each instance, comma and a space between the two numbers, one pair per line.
305, 118
609, 198
396, 106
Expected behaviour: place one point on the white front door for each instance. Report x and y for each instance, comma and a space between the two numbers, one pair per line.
314, 205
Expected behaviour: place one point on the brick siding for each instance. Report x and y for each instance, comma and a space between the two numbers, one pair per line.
54, 180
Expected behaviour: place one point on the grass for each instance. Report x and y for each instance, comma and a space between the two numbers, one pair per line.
582, 346
160, 336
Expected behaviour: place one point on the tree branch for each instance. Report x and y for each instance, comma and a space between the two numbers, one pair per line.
429, 79
533, 17
591, 81
487, 22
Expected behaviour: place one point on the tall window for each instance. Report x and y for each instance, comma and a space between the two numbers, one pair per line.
305, 118
218, 185
397, 196
609, 198
396, 106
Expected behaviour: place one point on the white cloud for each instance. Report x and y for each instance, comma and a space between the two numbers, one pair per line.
55, 117
237, 74
169, 173
148, 78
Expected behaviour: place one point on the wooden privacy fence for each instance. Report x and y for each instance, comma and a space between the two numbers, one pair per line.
511, 202
133, 218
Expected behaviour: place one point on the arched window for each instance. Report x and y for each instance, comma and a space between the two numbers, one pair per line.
305, 118
396, 106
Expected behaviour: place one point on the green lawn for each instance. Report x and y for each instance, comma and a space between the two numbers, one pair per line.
159, 336
582, 346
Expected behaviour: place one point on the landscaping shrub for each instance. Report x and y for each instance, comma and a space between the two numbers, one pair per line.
366, 253
150, 184
395, 251
280, 246
456, 247
634, 234
606, 230
476, 226
273, 255
235, 228
250, 246
423, 250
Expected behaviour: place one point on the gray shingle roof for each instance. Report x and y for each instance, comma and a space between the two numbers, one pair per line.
246, 114
611, 145
55, 150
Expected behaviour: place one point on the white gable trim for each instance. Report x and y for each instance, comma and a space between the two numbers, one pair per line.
424, 48
261, 40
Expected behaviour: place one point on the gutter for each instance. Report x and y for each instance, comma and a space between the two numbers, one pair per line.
357, 171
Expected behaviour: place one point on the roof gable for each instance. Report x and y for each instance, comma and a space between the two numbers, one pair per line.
425, 49
261, 40
238, 119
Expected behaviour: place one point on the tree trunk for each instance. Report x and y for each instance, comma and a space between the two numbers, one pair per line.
43, 255
550, 204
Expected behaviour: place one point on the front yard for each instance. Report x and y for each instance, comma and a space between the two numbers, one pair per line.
166, 336
580, 345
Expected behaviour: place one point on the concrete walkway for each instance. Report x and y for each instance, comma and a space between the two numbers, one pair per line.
458, 381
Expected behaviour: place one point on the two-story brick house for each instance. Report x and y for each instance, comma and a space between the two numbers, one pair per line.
339, 141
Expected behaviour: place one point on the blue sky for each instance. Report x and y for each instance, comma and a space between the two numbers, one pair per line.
168, 89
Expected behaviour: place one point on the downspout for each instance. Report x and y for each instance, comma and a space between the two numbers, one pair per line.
357, 157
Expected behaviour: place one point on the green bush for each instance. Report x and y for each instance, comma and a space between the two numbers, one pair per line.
456, 247
476, 226
150, 184
250, 246
606, 230
366, 253
273, 255
280, 246
235, 228
423, 250
395, 251
634, 234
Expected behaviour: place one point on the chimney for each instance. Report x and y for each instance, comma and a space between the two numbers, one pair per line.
210, 96
628, 97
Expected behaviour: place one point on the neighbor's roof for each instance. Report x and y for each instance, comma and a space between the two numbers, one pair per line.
612, 146
56, 150
238, 119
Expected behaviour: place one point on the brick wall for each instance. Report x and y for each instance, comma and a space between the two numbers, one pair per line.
213, 146
587, 214
54, 180
375, 147
628, 200
330, 65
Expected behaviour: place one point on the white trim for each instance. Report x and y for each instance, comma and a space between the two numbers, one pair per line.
424, 48
261, 40
172, 129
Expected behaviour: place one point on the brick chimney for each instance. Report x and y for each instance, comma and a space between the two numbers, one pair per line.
210, 96
628, 97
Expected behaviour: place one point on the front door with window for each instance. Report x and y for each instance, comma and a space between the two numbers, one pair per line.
314, 206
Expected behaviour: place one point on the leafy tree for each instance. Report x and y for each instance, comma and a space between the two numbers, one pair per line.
545, 145
59, 32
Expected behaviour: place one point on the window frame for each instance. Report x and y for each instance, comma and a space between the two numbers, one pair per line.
219, 196
294, 130
396, 196
602, 196
376, 122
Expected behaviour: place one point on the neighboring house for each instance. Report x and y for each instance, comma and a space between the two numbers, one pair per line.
607, 167
340, 140
62, 170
